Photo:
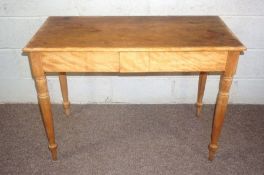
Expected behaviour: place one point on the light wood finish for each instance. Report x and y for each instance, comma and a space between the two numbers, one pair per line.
187, 61
201, 87
134, 62
64, 92
222, 101
172, 61
80, 61
131, 45
147, 33
44, 100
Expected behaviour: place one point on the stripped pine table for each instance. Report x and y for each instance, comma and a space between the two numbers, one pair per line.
123, 45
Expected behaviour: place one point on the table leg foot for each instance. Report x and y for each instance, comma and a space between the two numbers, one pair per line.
198, 109
53, 150
66, 106
212, 151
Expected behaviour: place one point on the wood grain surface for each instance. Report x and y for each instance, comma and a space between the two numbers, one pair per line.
141, 33
80, 61
172, 61
187, 61
133, 61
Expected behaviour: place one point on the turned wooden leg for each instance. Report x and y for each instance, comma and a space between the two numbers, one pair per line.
201, 87
64, 92
44, 101
222, 101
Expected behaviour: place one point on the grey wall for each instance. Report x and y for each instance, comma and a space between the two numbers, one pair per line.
19, 20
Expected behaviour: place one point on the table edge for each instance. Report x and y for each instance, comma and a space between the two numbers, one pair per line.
105, 49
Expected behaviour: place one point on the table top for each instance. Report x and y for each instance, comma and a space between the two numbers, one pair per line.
140, 33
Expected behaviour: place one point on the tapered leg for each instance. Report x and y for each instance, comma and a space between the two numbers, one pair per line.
44, 101
201, 87
222, 101
64, 92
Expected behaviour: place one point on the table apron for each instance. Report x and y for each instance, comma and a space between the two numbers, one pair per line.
129, 62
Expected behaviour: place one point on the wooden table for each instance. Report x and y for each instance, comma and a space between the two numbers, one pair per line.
134, 45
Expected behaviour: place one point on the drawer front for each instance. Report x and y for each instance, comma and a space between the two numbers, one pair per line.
172, 61
134, 62
80, 61
187, 61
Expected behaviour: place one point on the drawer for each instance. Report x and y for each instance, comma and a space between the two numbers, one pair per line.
134, 62
80, 61
172, 61
187, 61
